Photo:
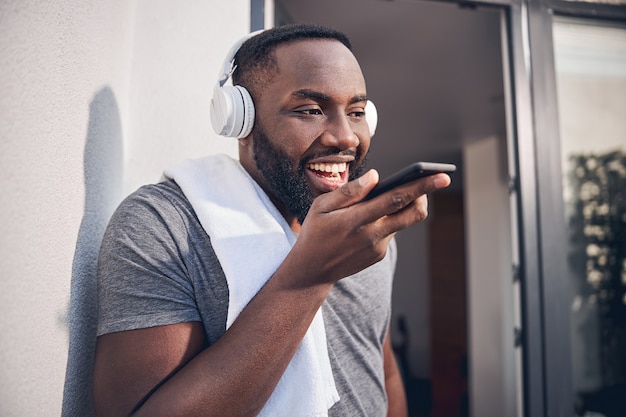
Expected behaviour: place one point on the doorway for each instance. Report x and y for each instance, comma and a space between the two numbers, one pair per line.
435, 72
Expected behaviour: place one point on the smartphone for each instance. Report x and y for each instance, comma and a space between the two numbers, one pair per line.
410, 173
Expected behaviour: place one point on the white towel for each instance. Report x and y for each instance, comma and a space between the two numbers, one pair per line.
251, 239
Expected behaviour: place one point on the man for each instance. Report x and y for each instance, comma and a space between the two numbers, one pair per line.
168, 344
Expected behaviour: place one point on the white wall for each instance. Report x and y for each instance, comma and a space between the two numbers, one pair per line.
491, 301
96, 97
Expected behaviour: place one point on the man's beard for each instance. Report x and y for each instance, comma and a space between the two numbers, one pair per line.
287, 184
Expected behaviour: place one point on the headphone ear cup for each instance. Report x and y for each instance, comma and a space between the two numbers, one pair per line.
232, 111
371, 116
248, 112
219, 111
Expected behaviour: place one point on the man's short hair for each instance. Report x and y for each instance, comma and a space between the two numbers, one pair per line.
255, 61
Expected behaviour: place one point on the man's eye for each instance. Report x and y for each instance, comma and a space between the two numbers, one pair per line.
310, 111
358, 114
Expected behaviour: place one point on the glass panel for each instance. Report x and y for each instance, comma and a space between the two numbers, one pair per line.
590, 60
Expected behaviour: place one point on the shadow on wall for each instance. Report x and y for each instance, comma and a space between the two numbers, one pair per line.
103, 164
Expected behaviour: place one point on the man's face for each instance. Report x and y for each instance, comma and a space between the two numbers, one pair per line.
292, 189
310, 135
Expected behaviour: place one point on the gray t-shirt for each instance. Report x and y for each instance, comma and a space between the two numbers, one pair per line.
157, 267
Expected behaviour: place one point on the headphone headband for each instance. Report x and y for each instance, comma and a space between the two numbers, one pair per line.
228, 66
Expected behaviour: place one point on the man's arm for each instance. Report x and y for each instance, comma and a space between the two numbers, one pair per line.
163, 371
167, 371
130, 365
394, 385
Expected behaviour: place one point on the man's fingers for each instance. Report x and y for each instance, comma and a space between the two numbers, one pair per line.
402, 196
440, 181
386, 204
350, 193
414, 212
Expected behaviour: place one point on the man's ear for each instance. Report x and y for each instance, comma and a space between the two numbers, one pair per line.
245, 141
246, 148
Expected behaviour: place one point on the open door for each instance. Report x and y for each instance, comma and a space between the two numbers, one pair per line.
438, 75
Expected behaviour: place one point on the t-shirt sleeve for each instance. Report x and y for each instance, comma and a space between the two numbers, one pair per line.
142, 278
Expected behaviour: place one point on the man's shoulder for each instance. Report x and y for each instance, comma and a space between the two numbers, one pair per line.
161, 192
155, 210
155, 199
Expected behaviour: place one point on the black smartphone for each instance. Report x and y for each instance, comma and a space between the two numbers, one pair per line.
410, 173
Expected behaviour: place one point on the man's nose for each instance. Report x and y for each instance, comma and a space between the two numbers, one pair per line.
340, 133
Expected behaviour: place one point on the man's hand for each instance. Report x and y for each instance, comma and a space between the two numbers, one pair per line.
342, 234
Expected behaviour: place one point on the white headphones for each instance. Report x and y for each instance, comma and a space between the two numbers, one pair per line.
232, 109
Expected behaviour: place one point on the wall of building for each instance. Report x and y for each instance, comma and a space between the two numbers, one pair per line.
96, 98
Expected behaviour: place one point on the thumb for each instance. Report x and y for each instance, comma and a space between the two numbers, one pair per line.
352, 192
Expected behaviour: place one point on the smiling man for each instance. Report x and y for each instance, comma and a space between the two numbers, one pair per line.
261, 286
310, 116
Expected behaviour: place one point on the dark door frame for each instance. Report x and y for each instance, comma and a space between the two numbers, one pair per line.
546, 286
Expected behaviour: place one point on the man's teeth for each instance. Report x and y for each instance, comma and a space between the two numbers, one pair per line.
332, 168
